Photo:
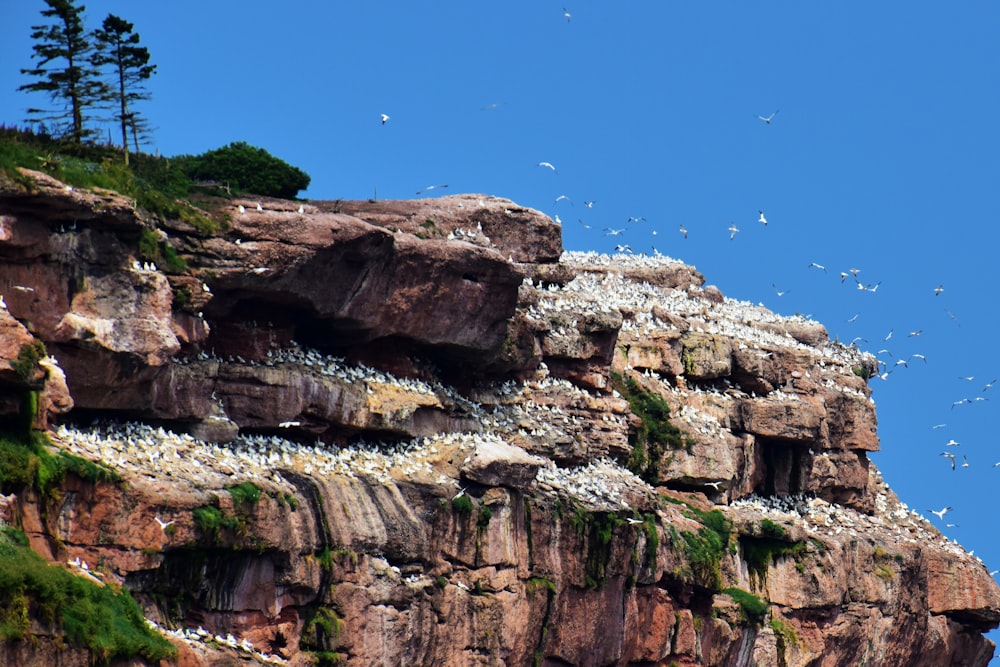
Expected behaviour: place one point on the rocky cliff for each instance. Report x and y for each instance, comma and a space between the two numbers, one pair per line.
418, 433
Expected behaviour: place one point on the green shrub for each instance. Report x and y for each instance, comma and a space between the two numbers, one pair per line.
462, 504
248, 169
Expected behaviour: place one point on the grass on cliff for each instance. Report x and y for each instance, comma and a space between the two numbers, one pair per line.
158, 185
655, 436
753, 608
706, 547
103, 619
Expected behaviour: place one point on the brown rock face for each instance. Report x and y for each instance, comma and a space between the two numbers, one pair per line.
410, 433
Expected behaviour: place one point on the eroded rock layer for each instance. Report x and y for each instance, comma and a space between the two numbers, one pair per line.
418, 433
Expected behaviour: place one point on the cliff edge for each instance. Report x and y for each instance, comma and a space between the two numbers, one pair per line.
418, 432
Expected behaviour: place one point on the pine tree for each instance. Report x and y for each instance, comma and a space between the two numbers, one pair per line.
62, 53
118, 47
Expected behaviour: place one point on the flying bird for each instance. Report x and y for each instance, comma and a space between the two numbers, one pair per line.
938, 290
623, 248
584, 224
767, 120
762, 220
856, 316
613, 232
780, 293
940, 513
683, 230
548, 165
385, 118
588, 204
431, 187
567, 14
733, 230
163, 524
814, 265
950, 457
562, 197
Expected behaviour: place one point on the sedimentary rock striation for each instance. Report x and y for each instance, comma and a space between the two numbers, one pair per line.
419, 433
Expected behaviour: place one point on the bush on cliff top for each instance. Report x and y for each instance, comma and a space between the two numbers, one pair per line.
106, 621
249, 169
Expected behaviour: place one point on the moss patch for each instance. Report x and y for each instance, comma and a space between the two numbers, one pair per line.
753, 608
655, 436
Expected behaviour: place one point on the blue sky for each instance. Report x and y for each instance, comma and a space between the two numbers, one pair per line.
883, 155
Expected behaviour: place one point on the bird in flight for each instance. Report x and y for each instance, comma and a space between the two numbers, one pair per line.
585, 225
733, 230
762, 220
952, 443
684, 232
814, 265
779, 292
431, 187
856, 316
588, 204
567, 14
384, 117
163, 524
940, 513
613, 232
562, 197
938, 290
951, 457
767, 120
623, 248
548, 165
